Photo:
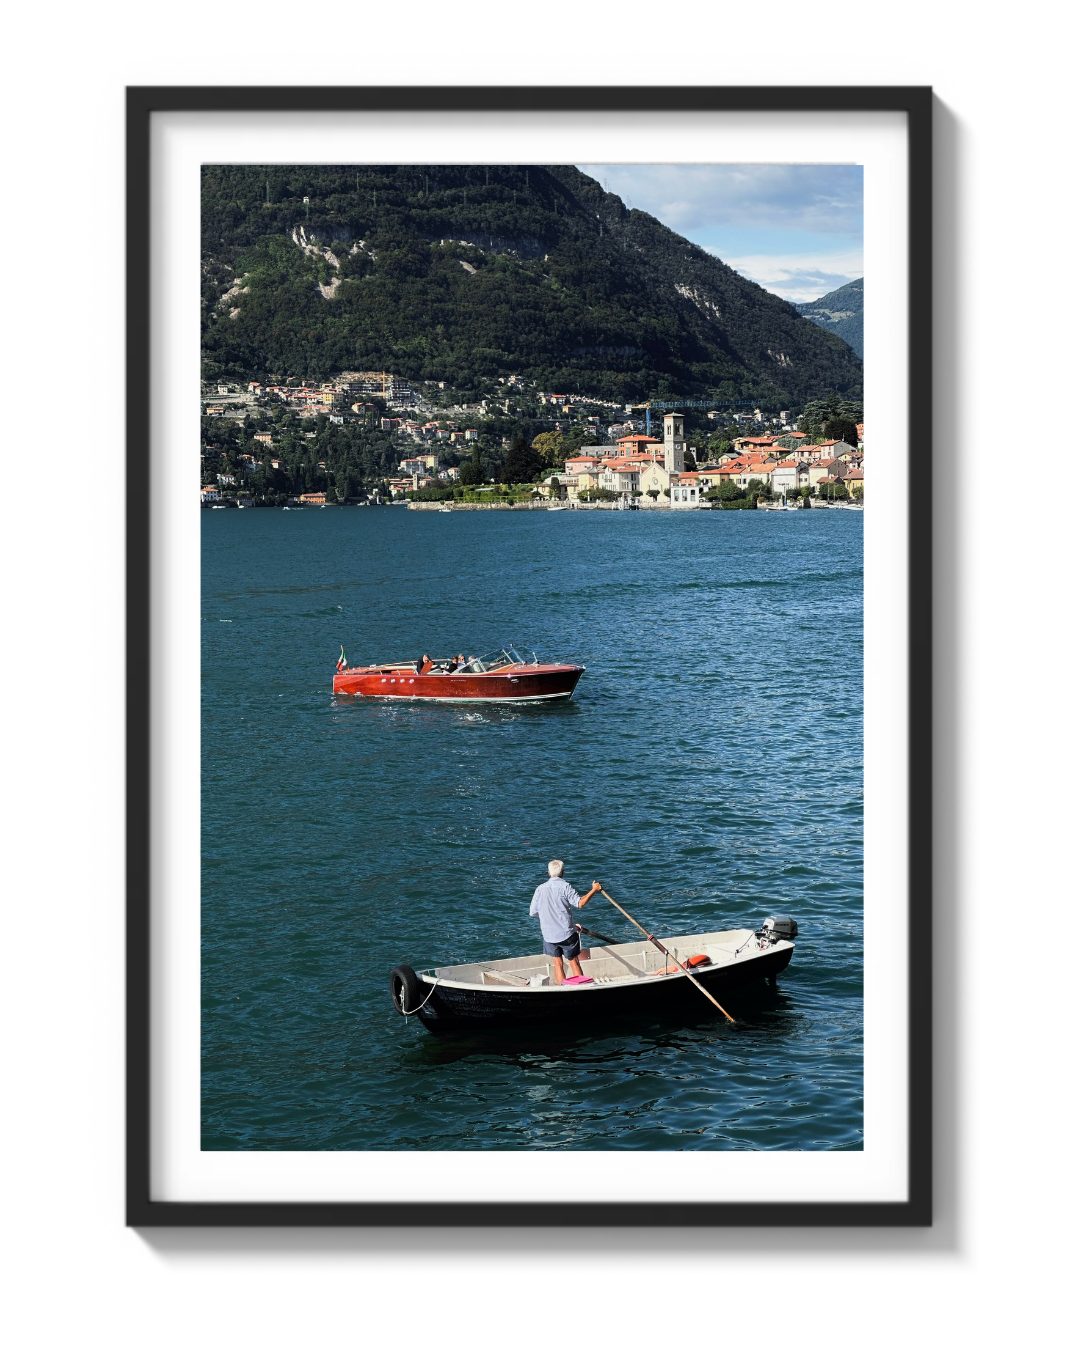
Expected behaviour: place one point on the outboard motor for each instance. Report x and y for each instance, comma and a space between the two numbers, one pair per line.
776, 928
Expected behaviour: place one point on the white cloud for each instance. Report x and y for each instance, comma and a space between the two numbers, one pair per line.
799, 277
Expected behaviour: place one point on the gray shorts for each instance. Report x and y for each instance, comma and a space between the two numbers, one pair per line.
568, 949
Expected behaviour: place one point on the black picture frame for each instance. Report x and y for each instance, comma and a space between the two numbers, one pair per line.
142, 102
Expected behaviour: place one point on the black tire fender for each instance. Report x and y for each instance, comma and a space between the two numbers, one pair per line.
406, 989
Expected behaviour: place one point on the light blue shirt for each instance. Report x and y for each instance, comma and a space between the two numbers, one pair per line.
553, 902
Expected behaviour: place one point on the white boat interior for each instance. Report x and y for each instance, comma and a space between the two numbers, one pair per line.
618, 964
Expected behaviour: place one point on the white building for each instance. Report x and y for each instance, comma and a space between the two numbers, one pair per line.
620, 475
789, 476
686, 492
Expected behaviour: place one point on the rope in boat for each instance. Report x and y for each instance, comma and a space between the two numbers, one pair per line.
425, 1002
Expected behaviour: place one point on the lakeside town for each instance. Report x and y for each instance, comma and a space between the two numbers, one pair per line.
371, 438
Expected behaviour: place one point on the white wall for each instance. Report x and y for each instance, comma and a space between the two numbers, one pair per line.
992, 1272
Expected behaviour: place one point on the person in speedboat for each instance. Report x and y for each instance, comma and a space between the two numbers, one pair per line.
552, 903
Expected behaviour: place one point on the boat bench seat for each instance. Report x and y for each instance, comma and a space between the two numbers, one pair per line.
606, 965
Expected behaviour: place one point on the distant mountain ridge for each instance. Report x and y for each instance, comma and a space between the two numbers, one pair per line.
464, 272
841, 312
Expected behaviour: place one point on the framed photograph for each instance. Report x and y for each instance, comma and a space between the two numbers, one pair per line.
462, 839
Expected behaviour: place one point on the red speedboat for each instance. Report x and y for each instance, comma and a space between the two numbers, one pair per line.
503, 676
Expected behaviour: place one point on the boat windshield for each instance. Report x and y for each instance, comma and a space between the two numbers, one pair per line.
505, 656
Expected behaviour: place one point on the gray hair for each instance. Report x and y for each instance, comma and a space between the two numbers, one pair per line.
555, 868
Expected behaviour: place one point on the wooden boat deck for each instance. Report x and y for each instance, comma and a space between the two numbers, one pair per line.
620, 963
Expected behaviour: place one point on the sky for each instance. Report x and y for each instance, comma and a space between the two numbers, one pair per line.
795, 229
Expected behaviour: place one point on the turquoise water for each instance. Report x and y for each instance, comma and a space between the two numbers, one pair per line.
708, 771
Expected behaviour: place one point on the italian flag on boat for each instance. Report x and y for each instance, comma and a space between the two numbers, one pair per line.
341, 660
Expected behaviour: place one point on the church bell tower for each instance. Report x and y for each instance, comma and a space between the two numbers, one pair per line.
674, 442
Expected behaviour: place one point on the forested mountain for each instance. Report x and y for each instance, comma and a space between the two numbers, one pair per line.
461, 273
840, 312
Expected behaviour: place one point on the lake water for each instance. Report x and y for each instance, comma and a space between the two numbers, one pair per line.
708, 771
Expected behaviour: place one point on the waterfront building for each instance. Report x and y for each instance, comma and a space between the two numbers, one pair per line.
785, 477
853, 481
582, 481
823, 470
686, 492
654, 477
710, 478
761, 471
620, 475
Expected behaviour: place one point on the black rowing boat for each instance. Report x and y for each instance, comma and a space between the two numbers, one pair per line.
624, 977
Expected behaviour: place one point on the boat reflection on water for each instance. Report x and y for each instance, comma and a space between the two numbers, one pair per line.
763, 1009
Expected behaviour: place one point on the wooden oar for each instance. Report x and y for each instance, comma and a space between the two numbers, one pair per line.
611, 942
668, 954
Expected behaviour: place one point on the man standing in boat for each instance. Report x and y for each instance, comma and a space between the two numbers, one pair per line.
552, 902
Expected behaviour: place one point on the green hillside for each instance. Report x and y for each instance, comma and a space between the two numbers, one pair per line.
463, 273
841, 312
